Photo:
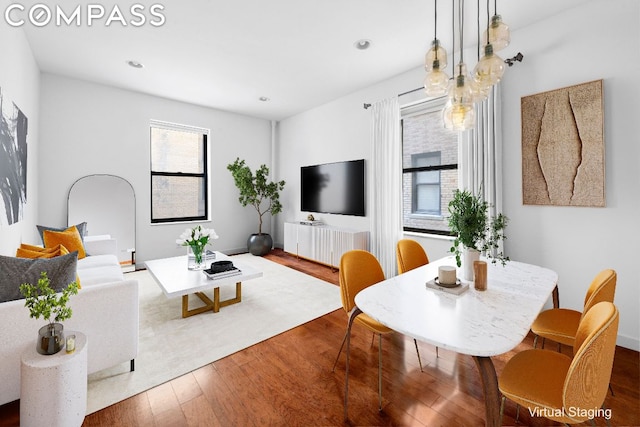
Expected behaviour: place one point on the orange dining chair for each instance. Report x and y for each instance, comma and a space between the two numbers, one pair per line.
410, 255
560, 324
558, 387
359, 269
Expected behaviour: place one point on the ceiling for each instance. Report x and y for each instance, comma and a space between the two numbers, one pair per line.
226, 54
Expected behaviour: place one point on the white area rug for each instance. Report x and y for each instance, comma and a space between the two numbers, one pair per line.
171, 346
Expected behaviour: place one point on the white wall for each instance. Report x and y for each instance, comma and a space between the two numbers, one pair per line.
591, 42
595, 41
93, 129
20, 83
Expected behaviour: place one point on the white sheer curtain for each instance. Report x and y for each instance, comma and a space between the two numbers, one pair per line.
480, 153
386, 184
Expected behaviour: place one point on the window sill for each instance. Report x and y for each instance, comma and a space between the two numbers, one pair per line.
429, 235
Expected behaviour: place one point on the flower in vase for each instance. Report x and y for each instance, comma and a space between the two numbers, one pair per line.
197, 238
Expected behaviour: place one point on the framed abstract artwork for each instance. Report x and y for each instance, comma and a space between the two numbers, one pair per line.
13, 162
563, 147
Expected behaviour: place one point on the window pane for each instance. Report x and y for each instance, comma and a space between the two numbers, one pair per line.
177, 197
428, 199
176, 151
426, 194
425, 133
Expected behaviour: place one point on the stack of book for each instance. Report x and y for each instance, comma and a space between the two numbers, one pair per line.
221, 269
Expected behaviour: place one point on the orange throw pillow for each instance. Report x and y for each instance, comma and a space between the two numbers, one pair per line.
33, 252
69, 238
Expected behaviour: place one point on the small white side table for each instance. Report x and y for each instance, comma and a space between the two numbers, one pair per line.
53, 389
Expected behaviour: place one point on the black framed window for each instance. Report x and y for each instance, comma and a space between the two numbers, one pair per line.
429, 167
179, 173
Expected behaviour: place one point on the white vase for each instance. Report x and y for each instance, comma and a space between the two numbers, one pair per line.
469, 255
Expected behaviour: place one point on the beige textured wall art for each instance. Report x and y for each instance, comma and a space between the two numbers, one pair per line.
563, 147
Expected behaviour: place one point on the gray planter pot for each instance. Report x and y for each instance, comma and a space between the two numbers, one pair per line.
260, 244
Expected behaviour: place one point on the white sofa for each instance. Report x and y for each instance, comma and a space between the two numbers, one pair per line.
105, 310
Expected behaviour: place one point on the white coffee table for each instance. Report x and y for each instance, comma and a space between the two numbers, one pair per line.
176, 280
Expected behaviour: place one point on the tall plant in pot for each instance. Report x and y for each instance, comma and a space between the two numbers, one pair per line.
42, 300
263, 195
475, 231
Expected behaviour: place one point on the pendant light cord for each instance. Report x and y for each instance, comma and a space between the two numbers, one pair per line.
488, 25
435, 21
461, 31
453, 39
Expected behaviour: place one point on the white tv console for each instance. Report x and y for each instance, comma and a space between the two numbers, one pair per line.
322, 243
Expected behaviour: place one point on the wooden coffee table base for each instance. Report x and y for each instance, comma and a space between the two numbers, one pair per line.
209, 304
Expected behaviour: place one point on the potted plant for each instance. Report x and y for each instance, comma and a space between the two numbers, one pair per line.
42, 300
263, 195
475, 232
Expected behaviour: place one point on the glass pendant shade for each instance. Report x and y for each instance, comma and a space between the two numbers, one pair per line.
436, 53
459, 112
489, 69
499, 34
459, 116
436, 82
479, 93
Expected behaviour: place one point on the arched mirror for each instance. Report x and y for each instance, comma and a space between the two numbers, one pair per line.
107, 203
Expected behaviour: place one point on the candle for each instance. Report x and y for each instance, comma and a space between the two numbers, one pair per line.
71, 343
447, 275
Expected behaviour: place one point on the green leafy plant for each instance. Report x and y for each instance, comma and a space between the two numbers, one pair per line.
43, 301
469, 221
256, 190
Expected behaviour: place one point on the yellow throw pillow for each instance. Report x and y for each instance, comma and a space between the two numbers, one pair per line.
32, 252
69, 238
35, 248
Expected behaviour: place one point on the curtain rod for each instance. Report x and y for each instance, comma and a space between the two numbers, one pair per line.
367, 105
509, 61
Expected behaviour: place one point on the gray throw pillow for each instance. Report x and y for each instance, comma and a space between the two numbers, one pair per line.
61, 271
82, 227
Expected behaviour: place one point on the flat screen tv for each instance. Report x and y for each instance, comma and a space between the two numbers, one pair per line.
336, 188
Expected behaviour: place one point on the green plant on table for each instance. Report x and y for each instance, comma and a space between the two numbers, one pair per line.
469, 221
197, 238
43, 301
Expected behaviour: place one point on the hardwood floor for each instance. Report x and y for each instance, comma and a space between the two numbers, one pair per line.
287, 381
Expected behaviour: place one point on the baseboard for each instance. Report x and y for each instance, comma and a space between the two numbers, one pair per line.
628, 342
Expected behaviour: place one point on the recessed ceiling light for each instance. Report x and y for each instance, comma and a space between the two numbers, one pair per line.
135, 64
362, 44
263, 99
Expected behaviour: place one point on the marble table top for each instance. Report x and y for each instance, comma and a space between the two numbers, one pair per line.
477, 323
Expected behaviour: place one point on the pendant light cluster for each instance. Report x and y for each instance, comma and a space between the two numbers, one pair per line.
464, 89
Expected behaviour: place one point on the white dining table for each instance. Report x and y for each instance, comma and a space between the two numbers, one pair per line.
477, 323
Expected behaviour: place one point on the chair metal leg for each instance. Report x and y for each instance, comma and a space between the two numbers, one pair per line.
535, 341
517, 412
437, 355
379, 372
502, 408
340, 352
354, 313
543, 340
418, 353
